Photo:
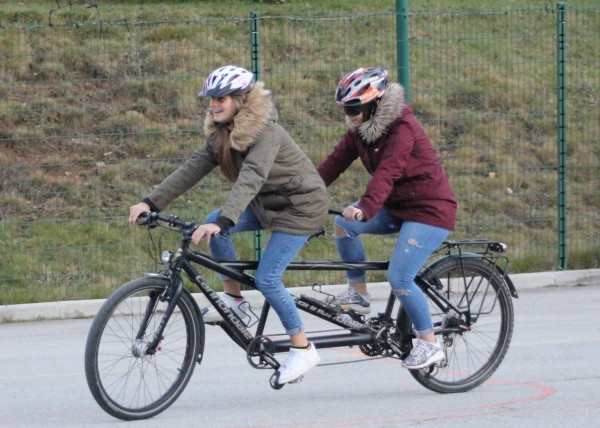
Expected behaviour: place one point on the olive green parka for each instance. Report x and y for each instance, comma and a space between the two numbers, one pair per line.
275, 178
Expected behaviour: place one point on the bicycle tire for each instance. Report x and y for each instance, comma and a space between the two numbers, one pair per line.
473, 354
133, 387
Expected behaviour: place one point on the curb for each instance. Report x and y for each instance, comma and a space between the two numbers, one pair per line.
379, 291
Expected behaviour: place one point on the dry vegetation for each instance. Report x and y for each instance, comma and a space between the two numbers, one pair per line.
99, 107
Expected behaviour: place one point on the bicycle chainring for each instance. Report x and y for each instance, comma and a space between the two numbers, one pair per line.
260, 353
378, 346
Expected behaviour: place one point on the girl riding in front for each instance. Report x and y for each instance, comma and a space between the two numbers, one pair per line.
273, 186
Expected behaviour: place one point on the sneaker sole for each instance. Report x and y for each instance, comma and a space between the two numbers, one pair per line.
206, 319
435, 358
300, 376
356, 308
217, 318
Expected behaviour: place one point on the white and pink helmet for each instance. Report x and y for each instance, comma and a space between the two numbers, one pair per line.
227, 80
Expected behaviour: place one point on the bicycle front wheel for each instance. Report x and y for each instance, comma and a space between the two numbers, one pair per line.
476, 334
125, 380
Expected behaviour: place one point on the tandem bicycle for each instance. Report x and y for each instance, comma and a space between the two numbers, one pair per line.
149, 335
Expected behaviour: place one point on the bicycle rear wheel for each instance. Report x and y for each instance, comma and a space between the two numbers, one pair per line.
125, 381
477, 337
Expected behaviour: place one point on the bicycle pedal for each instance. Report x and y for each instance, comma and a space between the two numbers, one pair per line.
357, 316
274, 380
297, 380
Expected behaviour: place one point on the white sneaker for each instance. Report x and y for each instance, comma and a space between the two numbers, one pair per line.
298, 363
240, 307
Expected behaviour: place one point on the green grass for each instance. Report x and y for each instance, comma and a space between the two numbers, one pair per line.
93, 115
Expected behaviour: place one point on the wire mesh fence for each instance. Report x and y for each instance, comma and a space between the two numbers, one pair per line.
93, 114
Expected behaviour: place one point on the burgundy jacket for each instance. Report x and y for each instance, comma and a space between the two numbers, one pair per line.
406, 176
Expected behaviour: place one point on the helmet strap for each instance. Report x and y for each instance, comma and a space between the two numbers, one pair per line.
369, 109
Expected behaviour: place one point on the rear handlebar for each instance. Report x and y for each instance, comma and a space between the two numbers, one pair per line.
358, 217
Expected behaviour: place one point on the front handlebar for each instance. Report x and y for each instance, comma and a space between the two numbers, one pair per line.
152, 219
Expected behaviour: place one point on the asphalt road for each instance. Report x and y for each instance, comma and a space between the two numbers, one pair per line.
549, 378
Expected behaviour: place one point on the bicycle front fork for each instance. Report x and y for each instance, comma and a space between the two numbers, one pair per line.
140, 347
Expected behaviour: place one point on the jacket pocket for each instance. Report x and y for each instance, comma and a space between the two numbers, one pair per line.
412, 190
274, 201
291, 187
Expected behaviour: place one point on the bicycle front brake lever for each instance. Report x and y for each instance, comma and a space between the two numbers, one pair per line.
148, 219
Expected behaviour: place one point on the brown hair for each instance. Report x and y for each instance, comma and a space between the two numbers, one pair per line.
222, 149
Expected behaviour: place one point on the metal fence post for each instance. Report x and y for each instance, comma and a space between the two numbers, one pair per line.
562, 137
256, 71
402, 48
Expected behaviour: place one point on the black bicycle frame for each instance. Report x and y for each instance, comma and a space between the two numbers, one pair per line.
360, 333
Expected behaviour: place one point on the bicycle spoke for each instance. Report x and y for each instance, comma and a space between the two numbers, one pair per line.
476, 337
126, 380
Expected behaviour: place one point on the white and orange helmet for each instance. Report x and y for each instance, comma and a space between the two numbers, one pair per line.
362, 86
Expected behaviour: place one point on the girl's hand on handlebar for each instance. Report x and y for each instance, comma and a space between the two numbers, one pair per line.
351, 213
136, 210
205, 231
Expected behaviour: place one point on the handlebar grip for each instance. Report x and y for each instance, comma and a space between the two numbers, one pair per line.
358, 217
147, 218
142, 218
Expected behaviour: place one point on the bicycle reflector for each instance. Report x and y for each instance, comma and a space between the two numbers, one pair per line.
498, 247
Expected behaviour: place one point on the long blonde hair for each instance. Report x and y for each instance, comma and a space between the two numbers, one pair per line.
222, 149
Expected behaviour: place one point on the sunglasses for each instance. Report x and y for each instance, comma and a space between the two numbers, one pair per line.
352, 110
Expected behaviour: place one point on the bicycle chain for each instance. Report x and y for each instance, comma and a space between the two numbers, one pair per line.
310, 332
362, 360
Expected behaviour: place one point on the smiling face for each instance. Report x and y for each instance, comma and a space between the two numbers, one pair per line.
223, 108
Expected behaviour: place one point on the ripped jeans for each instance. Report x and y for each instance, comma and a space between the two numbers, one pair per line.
416, 242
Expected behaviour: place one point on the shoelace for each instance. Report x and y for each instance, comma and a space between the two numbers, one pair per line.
348, 296
343, 295
421, 350
354, 296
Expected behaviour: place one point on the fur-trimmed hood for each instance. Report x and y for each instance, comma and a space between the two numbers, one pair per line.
389, 110
250, 120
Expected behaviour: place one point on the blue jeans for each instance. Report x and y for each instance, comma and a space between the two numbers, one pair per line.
416, 242
280, 251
